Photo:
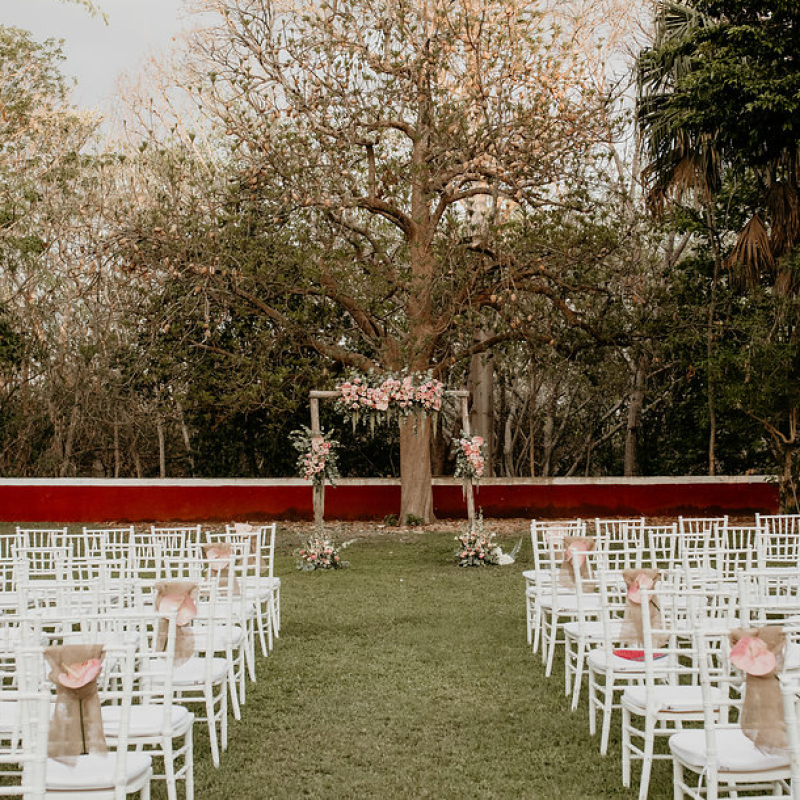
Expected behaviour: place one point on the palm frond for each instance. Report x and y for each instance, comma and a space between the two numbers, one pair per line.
752, 255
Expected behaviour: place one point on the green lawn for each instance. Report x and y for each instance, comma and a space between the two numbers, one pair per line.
406, 676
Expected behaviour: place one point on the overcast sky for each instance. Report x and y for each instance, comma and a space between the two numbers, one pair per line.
97, 53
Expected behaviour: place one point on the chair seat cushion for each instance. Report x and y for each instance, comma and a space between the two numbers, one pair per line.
672, 699
94, 771
598, 661
569, 602
193, 671
148, 720
224, 636
736, 753
592, 629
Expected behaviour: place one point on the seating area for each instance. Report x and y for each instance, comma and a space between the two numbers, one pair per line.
114, 642
687, 633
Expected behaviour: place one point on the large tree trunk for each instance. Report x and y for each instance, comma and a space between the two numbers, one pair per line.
635, 405
416, 493
481, 387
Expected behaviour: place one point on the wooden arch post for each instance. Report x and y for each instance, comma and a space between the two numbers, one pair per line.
462, 395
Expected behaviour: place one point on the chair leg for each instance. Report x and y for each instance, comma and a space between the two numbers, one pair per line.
261, 625
579, 668
537, 628
677, 780
593, 702
551, 644
223, 718
189, 763
607, 709
626, 747
169, 768
212, 726
237, 712
647, 757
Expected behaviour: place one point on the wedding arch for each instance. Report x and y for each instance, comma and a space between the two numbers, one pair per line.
462, 398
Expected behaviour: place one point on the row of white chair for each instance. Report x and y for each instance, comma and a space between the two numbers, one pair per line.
674, 692
117, 577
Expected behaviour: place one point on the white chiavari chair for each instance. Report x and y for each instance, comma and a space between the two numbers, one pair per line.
538, 581
265, 585
719, 756
670, 694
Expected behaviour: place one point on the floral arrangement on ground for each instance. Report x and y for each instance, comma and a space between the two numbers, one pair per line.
321, 552
477, 547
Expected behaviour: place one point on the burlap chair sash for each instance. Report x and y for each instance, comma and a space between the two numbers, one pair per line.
180, 595
76, 727
575, 550
244, 530
218, 555
632, 631
759, 652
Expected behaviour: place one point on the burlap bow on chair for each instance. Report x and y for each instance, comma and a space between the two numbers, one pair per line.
575, 550
632, 632
76, 727
180, 595
218, 555
758, 652
245, 530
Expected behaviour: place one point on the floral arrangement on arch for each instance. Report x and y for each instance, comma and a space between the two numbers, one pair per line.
470, 456
362, 398
318, 461
320, 552
476, 547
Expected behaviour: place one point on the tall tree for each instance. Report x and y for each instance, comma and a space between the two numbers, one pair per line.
720, 115
376, 124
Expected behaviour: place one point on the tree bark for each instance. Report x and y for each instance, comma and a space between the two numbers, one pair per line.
416, 494
635, 405
162, 451
481, 387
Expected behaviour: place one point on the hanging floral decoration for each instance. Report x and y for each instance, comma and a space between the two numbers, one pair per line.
318, 460
470, 453
363, 399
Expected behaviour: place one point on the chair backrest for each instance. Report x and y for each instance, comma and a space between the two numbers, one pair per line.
698, 525
779, 523
777, 547
769, 596
114, 543
661, 542
45, 538
740, 553
547, 541
619, 532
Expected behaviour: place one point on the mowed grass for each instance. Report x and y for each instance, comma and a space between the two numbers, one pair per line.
406, 676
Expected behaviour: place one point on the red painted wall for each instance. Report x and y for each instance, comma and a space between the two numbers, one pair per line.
198, 500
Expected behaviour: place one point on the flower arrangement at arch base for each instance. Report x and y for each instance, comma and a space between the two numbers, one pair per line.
320, 552
476, 547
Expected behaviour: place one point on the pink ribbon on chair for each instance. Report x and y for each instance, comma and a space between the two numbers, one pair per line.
632, 632
77, 725
575, 550
758, 652
180, 595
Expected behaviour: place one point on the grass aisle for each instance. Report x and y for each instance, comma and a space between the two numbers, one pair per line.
405, 676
